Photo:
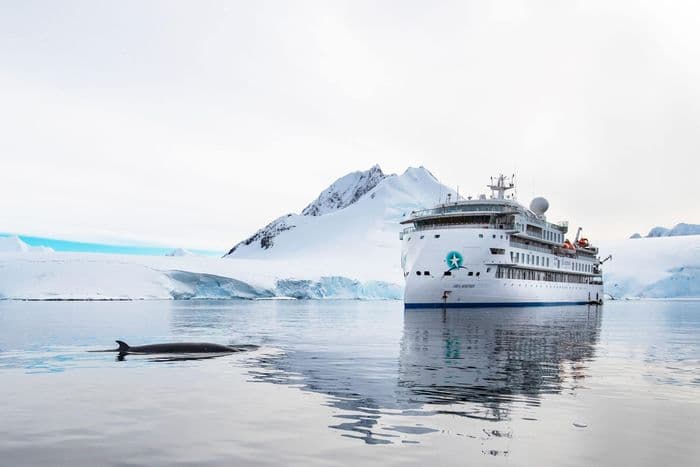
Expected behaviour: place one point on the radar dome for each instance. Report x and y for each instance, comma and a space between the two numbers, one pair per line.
539, 205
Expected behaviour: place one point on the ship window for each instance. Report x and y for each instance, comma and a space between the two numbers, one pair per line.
437, 235
447, 273
498, 251
471, 273
422, 237
477, 273
426, 273
481, 235
494, 235
488, 269
417, 273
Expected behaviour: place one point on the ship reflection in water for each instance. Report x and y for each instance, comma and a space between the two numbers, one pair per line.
475, 363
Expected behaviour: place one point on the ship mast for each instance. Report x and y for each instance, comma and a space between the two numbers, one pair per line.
502, 185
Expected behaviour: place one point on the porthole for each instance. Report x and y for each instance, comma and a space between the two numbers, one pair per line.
417, 273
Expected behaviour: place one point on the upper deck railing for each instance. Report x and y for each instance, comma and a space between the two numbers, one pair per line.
463, 208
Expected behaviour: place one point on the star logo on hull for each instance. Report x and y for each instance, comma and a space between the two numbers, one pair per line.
454, 260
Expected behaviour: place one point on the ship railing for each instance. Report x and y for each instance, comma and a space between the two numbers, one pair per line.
450, 209
504, 227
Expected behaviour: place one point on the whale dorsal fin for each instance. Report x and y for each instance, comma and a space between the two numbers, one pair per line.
123, 346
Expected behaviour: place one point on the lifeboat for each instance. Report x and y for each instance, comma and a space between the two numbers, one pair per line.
568, 245
584, 243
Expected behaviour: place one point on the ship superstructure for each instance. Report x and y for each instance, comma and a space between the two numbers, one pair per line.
492, 251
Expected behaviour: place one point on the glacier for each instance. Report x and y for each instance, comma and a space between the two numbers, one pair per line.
338, 287
85, 276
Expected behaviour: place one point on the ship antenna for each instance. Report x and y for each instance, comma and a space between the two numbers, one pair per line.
499, 189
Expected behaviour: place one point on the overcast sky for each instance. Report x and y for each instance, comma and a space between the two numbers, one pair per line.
195, 123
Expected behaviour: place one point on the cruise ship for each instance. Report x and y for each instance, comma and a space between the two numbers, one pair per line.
492, 251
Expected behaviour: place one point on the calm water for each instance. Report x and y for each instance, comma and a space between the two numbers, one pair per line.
345, 383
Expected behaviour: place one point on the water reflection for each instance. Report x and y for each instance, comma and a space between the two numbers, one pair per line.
170, 358
474, 363
495, 356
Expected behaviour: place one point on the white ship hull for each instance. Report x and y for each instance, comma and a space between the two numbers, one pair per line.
475, 282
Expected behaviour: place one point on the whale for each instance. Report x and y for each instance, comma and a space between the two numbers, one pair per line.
179, 348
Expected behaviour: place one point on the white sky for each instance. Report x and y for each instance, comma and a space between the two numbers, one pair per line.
195, 123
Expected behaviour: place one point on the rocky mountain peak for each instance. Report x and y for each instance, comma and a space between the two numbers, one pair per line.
345, 191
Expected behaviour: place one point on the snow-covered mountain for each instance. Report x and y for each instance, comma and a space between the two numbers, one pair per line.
352, 228
678, 231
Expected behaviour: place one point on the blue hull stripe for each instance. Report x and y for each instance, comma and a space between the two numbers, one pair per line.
491, 304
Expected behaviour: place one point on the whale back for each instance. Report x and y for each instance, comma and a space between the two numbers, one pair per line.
179, 347
123, 347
